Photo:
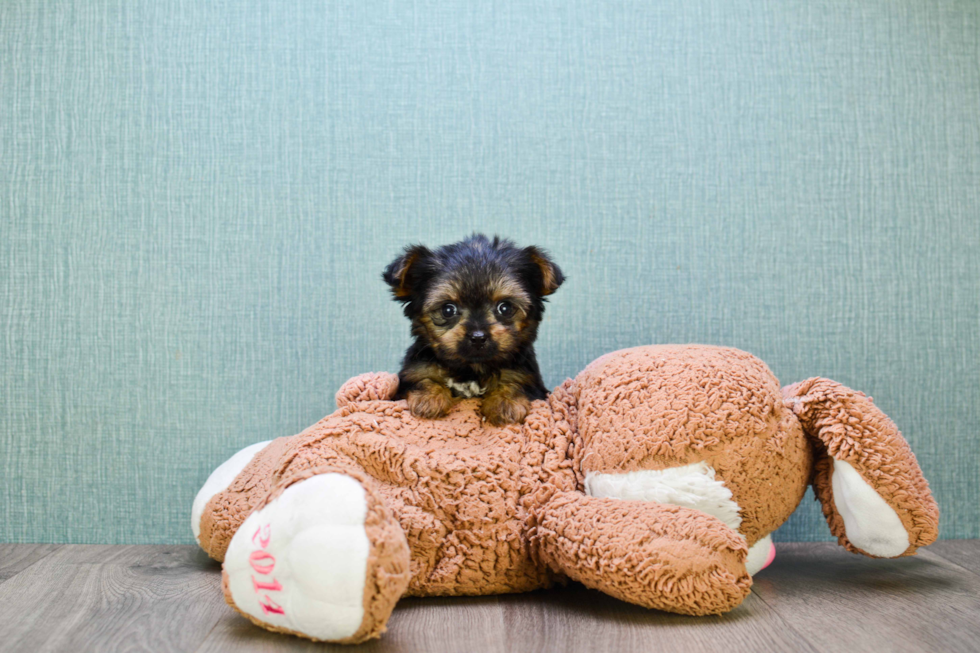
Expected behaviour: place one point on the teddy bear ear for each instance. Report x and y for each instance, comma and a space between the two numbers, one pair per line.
402, 273
551, 274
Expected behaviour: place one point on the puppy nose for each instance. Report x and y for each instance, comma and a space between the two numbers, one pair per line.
478, 338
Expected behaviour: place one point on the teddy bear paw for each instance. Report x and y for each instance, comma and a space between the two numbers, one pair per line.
870, 523
307, 563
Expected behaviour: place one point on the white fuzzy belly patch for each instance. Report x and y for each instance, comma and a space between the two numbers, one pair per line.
691, 486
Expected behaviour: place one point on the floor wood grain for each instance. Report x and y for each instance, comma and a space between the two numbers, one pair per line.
842, 602
815, 597
112, 598
15, 558
471, 624
965, 553
578, 619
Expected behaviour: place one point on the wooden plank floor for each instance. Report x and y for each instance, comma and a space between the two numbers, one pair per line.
815, 597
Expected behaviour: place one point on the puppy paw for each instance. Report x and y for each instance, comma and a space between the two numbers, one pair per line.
501, 409
430, 402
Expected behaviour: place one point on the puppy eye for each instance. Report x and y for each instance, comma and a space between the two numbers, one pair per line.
505, 309
449, 310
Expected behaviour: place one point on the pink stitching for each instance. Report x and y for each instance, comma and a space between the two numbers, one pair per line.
263, 563
258, 557
274, 586
271, 606
259, 532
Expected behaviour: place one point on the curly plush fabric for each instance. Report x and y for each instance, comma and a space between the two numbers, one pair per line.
694, 455
654, 555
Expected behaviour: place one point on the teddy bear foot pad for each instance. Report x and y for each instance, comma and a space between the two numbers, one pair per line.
300, 563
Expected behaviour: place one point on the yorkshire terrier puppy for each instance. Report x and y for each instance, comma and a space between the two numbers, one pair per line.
475, 306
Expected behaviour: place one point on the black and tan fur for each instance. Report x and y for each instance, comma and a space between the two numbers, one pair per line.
475, 307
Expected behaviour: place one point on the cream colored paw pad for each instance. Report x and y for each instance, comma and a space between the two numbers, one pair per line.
300, 562
870, 523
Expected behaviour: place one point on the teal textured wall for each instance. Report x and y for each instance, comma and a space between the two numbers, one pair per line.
197, 199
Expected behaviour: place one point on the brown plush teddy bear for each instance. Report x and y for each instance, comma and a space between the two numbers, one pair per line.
655, 476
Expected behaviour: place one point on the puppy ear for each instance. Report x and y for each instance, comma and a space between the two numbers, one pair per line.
551, 275
402, 273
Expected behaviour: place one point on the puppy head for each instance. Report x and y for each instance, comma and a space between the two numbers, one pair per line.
476, 301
